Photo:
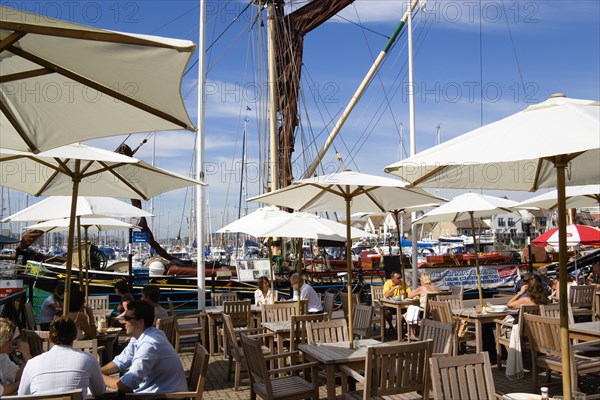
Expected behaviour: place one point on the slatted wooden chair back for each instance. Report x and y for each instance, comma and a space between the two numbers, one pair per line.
544, 334
87, 345
441, 334
467, 376
462, 377
34, 341
98, 302
328, 304
457, 291
344, 298
280, 311
197, 375
553, 311
362, 320
255, 360
532, 309
29, 317
230, 336
298, 331
217, 299
239, 311
71, 395
441, 311
376, 294
396, 369
582, 296
332, 331
167, 325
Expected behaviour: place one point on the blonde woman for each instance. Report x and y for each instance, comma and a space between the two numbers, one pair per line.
10, 373
413, 313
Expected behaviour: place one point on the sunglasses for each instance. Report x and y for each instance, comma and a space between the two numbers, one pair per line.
128, 317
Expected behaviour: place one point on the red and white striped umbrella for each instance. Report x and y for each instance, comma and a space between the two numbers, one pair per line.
576, 235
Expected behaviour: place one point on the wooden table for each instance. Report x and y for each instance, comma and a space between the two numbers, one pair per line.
109, 342
214, 314
332, 355
397, 305
479, 319
281, 329
585, 331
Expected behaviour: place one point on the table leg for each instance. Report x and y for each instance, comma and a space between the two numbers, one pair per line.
399, 323
478, 336
211, 335
330, 370
382, 322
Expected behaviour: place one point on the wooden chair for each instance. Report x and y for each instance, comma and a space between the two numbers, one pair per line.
217, 299
34, 341
442, 335
29, 316
362, 321
393, 370
504, 328
98, 302
344, 298
328, 304
544, 340
462, 377
282, 311
188, 327
234, 350
90, 346
241, 317
442, 311
581, 299
298, 332
266, 384
376, 294
553, 311
327, 331
195, 380
167, 325
71, 395
458, 291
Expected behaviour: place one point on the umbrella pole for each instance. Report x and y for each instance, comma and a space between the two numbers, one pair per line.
300, 277
349, 266
87, 263
562, 276
476, 260
397, 218
80, 253
76, 178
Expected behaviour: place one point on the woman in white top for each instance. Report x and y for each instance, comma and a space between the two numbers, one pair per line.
413, 314
10, 373
263, 295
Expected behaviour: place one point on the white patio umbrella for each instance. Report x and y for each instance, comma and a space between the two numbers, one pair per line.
341, 191
577, 197
88, 223
60, 207
469, 206
64, 82
551, 144
81, 169
251, 223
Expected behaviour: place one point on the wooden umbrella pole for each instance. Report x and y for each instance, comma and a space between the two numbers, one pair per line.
397, 218
88, 261
475, 248
80, 253
76, 178
349, 266
300, 277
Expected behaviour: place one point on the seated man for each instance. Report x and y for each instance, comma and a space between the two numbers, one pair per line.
10, 373
306, 293
62, 368
151, 294
394, 287
152, 364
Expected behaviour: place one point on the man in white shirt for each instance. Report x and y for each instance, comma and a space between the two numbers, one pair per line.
306, 293
62, 368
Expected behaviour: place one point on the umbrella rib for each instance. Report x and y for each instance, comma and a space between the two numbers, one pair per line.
10, 39
103, 36
123, 180
427, 176
103, 89
105, 168
13, 121
25, 75
374, 201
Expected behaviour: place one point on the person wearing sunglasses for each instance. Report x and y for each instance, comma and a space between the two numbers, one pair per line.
150, 361
10, 373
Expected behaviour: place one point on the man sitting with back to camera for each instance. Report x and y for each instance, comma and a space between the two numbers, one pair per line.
152, 364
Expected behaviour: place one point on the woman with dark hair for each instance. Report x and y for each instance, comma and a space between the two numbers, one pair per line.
81, 315
536, 293
10, 373
62, 368
263, 294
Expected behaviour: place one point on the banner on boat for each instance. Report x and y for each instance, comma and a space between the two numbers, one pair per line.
492, 276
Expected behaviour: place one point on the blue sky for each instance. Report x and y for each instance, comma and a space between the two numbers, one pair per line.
544, 48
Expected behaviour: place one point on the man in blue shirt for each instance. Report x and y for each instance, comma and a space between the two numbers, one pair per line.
152, 364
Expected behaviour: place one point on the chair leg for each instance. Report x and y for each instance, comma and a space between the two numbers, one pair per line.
229, 367
499, 356
238, 372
